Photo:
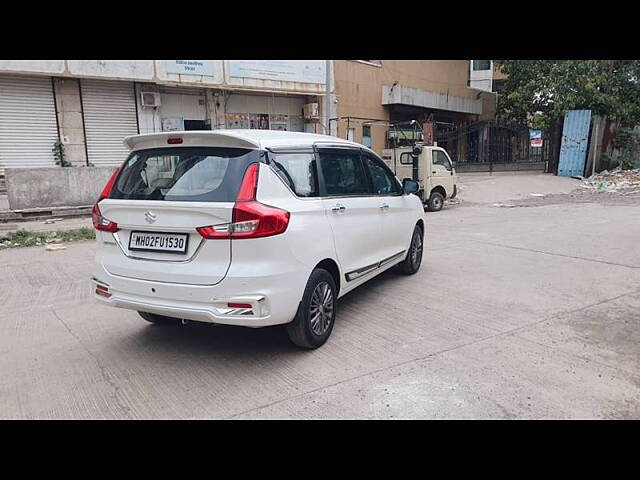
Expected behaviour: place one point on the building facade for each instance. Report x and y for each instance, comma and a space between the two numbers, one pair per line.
91, 105
376, 100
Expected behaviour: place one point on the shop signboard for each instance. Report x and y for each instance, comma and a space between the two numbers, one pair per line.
191, 67
535, 137
301, 71
172, 124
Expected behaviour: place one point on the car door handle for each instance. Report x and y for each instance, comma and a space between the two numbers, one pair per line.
338, 208
384, 206
434, 171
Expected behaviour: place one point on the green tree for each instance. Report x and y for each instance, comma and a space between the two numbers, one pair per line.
541, 91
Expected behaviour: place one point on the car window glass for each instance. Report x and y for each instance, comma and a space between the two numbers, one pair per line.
195, 174
440, 158
343, 172
298, 171
384, 183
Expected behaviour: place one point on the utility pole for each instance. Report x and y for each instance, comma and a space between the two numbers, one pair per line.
327, 98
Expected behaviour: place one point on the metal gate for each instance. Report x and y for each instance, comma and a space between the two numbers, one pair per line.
496, 144
575, 138
109, 116
28, 127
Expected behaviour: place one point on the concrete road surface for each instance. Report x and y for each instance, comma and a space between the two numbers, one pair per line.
524, 312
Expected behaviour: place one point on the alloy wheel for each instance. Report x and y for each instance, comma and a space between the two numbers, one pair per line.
416, 250
321, 308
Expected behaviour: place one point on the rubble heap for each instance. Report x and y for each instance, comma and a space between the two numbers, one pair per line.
616, 181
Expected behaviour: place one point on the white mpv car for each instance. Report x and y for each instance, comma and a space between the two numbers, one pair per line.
251, 228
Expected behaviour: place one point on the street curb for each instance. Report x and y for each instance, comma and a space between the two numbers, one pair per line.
32, 214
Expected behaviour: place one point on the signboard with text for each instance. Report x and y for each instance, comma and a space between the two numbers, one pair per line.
302, 71
535, 137
191, 67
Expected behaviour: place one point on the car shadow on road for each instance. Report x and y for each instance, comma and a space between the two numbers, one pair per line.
207, 339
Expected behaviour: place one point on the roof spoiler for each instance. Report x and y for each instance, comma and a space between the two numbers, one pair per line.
200, 138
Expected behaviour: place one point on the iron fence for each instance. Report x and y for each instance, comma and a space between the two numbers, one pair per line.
494, 142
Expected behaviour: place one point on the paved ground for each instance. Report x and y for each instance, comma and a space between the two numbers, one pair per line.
516, 313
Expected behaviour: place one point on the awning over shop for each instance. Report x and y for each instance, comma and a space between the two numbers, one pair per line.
402, 95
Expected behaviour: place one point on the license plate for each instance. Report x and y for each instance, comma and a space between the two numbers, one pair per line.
159, 242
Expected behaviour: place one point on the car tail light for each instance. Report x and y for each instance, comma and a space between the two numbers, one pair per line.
250, 218
174, 140
99, 222
109, 186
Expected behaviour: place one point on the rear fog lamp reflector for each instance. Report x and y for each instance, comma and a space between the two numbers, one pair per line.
103, 291
239, 305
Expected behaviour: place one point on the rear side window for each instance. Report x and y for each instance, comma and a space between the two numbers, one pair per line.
343, 172
298, 170
189, 174
384, 182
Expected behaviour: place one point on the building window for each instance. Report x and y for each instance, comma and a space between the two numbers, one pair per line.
481, 65
366, 135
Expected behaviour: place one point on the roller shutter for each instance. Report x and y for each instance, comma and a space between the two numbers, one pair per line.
109, 116
28, 127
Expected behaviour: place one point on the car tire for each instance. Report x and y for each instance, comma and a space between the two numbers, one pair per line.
413, 260
316, 313
435, 202
159, 319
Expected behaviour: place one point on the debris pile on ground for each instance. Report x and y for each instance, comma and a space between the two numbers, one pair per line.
620, 181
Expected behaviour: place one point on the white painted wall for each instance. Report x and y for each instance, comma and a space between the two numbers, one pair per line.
481, 79
115, 69
32, 66
156, 71
188, 105
241, 103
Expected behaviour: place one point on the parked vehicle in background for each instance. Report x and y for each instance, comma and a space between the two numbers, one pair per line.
431, 167
251, 228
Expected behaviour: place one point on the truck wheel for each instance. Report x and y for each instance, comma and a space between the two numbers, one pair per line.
436, 201
316, 313
159, 319
413, 260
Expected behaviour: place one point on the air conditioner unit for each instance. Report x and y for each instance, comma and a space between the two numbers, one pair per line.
150, 99
310, 111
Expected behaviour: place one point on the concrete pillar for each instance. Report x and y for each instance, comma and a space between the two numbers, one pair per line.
70, 121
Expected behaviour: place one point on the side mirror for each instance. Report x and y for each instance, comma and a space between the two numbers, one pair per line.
410, 186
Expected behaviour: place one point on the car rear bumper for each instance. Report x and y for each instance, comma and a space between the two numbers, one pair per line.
273, 300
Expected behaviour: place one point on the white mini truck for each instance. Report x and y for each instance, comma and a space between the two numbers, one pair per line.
431, 167
250, 228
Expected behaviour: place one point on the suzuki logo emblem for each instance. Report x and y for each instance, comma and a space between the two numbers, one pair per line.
150, 217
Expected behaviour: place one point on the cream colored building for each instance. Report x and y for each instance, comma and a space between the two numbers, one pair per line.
372, 94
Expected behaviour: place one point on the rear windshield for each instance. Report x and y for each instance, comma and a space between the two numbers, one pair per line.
188, 174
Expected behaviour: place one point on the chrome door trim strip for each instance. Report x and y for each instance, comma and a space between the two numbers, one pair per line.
360, 272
